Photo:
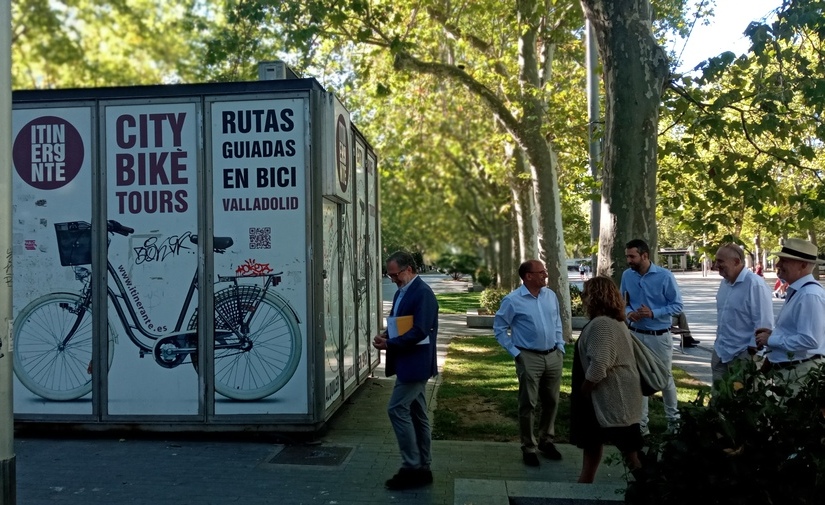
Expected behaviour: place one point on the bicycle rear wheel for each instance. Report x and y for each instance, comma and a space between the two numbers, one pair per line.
43, 362
265, 356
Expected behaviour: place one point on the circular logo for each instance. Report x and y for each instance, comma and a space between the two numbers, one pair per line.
48, 153
342, 141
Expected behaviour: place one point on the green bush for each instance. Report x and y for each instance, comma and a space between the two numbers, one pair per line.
755, 442
457, 265
491, 299
576, 304
483, 277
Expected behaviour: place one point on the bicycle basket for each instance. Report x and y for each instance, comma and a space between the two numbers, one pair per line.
74, 243
233, 304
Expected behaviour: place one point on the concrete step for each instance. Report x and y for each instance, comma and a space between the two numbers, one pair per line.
500, 492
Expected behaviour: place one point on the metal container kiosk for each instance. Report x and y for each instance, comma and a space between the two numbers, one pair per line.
250, 209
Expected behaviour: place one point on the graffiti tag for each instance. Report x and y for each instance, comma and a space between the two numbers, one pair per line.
252, 268
152, 250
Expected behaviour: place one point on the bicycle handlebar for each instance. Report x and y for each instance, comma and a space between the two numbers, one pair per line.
114, 227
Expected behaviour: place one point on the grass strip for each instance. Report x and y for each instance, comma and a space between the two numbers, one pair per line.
457, 303
478, 396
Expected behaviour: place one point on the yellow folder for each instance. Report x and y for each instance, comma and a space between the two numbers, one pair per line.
397, 326
404, 324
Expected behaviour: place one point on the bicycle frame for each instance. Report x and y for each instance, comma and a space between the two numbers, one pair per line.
130, 319
122, 297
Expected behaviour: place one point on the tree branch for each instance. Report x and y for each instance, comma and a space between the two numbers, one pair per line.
405, 61
475, 42
742, 113
549, 46
756, 146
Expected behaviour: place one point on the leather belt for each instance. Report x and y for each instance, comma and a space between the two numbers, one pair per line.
649, 332
791, 364
535, 351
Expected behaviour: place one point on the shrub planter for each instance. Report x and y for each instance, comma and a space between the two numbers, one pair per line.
475, 288
579, 322
478, 318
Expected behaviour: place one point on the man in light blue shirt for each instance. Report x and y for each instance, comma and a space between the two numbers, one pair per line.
797, 342
743, 304
652, 298
531, 314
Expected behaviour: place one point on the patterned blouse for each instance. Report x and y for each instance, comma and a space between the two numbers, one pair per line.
607, 357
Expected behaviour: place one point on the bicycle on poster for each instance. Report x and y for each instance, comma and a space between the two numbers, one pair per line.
257, 339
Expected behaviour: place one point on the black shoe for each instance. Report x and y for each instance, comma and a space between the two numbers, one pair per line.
407, 478
549, 450
530, 459
426, 475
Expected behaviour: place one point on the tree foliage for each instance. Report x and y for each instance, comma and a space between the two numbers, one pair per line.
505, 56
743, 140
83, 43
457, 264
469, 104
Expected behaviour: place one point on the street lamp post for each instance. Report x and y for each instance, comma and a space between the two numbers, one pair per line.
8, 477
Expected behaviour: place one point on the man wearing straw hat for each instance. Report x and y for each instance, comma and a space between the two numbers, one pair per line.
797, 342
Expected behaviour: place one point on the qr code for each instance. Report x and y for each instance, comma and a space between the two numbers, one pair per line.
260, 238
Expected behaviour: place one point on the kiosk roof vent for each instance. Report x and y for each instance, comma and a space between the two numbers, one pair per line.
275, 70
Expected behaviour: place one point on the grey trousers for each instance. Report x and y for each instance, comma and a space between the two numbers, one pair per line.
539, 378
662, 347
407, 410
719, 369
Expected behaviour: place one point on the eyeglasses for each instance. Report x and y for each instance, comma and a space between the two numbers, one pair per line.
396, 274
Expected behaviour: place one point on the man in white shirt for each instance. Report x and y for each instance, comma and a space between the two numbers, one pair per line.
743, 304
797, 342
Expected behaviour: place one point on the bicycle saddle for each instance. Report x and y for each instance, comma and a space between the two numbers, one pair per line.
219, 244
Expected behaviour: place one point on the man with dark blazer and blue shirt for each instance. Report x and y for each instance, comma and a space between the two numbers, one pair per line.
411, 357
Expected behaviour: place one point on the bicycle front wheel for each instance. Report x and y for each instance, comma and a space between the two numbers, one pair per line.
266, 356
44, 361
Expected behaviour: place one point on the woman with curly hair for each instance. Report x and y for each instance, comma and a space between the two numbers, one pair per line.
606, 400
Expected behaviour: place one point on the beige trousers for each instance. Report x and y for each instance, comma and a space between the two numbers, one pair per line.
539, 379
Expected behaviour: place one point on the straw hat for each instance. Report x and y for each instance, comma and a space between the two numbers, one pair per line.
799, 249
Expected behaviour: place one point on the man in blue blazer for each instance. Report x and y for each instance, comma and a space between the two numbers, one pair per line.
411, 357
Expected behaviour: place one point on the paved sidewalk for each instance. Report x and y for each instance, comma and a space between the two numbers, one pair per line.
221, 469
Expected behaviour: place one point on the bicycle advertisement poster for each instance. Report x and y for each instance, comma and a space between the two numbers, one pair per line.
142, 213
151, 155
259, 199
152, 190
52, 183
